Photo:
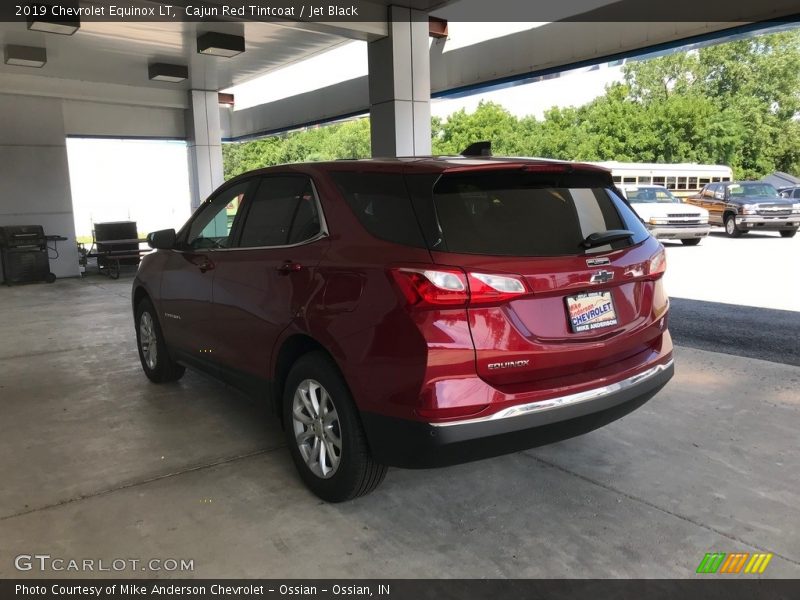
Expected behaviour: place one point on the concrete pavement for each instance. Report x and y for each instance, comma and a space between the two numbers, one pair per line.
99, 463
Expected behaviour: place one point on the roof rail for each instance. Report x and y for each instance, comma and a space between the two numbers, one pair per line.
478, 149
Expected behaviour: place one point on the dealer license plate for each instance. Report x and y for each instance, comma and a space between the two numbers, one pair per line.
592, 310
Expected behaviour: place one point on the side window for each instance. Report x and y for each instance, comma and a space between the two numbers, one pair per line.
381, 203
212, 227
709, 191
797, 193
282, 212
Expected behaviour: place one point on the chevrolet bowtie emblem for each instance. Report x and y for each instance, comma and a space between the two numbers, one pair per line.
602, 277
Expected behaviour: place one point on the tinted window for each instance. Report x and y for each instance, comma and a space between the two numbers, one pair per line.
381, 203
523, 215
212, 226
282, 212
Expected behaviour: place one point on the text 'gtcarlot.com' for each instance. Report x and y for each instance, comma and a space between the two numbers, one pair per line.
46, 562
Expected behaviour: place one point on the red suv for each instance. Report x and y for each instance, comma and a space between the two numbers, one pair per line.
413, 312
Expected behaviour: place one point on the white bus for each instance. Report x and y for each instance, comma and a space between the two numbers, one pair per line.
682, 179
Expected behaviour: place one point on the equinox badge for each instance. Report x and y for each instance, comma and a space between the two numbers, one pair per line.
602, 277
509, 364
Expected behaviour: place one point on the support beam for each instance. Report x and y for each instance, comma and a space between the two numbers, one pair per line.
400, 87
204, 144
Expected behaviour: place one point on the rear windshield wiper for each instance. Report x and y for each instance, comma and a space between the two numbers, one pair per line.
601, 238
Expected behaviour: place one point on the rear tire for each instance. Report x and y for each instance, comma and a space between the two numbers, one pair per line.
324, 432
691, 241
788, 233
156, 361
730, 226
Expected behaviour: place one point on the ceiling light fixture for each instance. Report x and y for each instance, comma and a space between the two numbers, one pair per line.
220, 44
49, 21
25, 56
167, 72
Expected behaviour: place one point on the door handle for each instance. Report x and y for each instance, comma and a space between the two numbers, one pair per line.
206, 265
289, 267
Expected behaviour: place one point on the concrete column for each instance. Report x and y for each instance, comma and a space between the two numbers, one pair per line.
400, 86
205, 144
34, 173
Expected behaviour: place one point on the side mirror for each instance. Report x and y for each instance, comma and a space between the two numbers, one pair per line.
163, 239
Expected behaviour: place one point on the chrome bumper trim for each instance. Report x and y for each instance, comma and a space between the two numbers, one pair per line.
562, 401
786, 220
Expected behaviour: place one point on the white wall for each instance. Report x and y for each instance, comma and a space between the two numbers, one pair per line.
120, 120
34, 173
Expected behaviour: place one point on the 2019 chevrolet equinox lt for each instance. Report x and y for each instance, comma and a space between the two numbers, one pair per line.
413, 312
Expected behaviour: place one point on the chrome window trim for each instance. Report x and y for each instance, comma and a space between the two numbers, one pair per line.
563, 401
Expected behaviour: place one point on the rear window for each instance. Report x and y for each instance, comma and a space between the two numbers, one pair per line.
381, 203
526, 214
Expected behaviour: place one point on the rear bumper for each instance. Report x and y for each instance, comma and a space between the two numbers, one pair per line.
761, 222
414, 444
679, 232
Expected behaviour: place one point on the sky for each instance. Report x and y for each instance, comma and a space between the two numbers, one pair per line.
104, 189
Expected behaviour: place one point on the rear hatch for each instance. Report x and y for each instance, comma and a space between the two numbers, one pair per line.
548, 300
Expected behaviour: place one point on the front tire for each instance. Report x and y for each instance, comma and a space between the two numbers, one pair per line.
788, 233
156, 361
691, 241
324, 432
730, 226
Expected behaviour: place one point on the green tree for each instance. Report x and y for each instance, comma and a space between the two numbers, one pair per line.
489, 121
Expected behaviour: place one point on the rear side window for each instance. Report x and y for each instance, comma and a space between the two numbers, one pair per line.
282, 212
521, 214
381, 203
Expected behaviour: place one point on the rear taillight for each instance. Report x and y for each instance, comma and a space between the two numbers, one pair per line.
658, 264
429, 287
454, 288
485, 287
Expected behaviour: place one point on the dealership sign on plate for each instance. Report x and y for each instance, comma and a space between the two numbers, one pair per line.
593, 310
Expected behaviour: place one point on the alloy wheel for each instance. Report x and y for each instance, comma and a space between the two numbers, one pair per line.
148, 340
317, 431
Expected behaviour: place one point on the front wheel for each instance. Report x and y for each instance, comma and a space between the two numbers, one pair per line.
156, 361
324, 432
788, 233
691, 241
730, 227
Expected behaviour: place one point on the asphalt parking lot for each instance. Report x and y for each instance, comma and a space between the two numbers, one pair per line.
99, 463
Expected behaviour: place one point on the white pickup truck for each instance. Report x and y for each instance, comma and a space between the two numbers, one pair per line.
666, 216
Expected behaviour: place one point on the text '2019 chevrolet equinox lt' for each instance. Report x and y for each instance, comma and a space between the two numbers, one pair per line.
413, 312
